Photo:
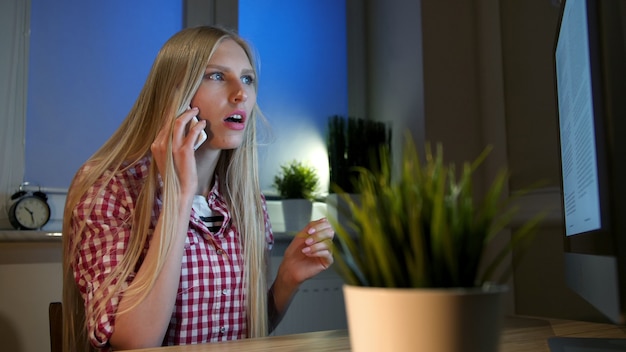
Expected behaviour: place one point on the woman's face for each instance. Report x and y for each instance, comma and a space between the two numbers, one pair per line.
226, 96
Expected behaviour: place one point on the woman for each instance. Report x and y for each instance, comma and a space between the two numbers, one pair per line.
165, 243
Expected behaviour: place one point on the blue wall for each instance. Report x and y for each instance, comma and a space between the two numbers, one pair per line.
303, 79
88, 61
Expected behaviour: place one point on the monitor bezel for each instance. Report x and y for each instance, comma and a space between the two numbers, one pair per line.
590, 255
598, 241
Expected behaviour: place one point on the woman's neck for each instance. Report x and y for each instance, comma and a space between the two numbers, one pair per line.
206, 162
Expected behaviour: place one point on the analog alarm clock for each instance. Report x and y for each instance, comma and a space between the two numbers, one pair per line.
30, 211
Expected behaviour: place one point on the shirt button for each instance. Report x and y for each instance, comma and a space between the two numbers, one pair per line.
225, 291
223, 330
220, 252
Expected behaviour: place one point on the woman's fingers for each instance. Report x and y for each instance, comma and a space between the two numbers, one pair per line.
183, 138
188, 130
319, 239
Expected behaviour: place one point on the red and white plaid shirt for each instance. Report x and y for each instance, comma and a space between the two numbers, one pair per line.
210, 302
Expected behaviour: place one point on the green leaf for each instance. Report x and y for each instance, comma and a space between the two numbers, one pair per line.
426, 227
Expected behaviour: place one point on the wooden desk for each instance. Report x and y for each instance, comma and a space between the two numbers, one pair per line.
525, 334
520, 334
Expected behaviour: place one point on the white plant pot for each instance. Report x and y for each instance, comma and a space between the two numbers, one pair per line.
433, 320
296, 213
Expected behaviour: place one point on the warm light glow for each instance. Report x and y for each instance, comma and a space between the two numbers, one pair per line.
306, 144
315, 153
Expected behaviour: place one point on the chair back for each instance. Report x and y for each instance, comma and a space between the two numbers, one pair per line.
55, 316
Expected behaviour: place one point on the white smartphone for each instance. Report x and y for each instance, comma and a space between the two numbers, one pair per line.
201, 138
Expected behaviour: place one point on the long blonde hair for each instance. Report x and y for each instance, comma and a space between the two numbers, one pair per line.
172, 82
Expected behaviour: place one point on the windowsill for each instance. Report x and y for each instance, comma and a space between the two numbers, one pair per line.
48, 236
29, 236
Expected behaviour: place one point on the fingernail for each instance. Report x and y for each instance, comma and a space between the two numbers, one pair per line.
306, 249
309, 241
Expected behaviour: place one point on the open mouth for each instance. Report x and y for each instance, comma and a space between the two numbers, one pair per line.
235, 118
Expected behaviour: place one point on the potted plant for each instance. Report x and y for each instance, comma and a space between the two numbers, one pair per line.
296, 184
352, 143
412, 255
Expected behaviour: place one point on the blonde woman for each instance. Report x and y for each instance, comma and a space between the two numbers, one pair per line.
166, 242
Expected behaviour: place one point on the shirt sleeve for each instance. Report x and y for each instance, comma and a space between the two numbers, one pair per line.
104, 232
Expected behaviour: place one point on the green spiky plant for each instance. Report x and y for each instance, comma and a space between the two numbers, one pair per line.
425, 228
296, 180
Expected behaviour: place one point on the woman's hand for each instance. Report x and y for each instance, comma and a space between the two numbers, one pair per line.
309, 253
183, 140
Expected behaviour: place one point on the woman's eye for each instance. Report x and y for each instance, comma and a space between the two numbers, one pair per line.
216, 76
247, 80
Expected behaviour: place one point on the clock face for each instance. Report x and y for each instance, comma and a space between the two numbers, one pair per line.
31, 213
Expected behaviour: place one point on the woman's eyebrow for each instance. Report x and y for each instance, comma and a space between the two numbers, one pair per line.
247, 71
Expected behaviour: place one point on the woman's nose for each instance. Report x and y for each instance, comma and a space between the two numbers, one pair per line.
239, 93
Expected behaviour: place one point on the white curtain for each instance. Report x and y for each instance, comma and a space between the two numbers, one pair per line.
14, 44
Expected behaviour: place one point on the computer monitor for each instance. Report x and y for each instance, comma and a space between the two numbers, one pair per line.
590, 71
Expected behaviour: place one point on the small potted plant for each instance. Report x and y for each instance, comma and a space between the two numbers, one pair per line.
297, 185
412, 255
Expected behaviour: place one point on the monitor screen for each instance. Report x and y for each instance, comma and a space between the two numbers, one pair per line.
576, 123
590, 71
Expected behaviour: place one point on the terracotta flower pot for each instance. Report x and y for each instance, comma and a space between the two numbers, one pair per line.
433, 320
